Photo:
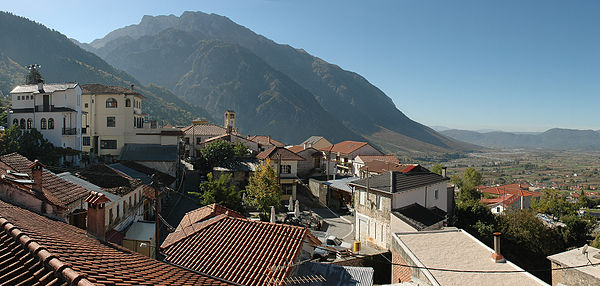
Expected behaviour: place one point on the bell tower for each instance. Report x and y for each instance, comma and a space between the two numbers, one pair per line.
230, 120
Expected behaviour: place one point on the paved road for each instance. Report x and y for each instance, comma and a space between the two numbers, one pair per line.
340, 226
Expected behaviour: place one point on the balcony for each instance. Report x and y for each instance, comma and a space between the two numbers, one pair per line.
44, 108
69, 131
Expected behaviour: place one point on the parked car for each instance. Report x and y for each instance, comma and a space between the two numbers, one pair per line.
331, 247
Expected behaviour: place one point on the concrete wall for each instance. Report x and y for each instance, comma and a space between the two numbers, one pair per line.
28, 201
572, 277
165, 167
318, 190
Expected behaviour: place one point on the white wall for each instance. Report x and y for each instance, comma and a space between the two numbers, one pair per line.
405, 198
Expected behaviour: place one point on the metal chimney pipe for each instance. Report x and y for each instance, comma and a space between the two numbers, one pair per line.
496, 256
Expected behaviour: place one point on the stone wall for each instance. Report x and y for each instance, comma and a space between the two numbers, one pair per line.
572, 277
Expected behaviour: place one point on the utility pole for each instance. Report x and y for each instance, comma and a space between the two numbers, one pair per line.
279, 168
154, 185
368, 187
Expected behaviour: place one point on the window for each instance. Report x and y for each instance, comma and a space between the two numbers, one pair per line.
363, 196
50, 123
124, 208
118, 210
497, 209
435, 195
108, 144
128, 102
29, 123
15, 121
110, 216
22, 123
186, 140
18, 97
198, 141
379, 202
135, 198
287, 189
43, 124
85, 140
110, 121
130, 205
111, 103
86, 105
285, 169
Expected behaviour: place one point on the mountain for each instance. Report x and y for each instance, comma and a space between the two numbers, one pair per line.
556, 138
24, 42
162, 50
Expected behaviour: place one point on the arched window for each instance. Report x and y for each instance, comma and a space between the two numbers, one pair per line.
111, 103
15, 121
29, 123
50, 123
128, 102
22, 123
43, 123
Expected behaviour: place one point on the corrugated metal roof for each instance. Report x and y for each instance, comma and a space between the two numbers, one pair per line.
342, 184
132, 173
336, 275
149, 152
51, 87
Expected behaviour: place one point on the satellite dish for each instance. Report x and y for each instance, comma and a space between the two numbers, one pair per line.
584, 249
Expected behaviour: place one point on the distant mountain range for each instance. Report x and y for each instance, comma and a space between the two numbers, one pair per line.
212, 62
556, 138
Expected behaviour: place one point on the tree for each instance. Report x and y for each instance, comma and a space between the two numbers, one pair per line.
437, 168
468, 184
30, 144
524, 230
553, 203
215, 154
219, 190
584, 201
577, 230
34, 76
263, 191
240, 150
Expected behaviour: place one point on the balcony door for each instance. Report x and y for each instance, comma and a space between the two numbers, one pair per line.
47, 103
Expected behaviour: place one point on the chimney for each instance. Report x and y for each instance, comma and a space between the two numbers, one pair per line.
444, 172
36, 171
96, 215
40, 87
269, 138
305, 145
132, 87
272, 214
496, 256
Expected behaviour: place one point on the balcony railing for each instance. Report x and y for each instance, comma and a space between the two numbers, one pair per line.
69, 131
44, 108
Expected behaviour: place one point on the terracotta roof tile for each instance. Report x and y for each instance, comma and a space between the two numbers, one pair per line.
97, 88
239, 250
56, 189
274, 152
346, 147
266, 140
70, 256
205, 129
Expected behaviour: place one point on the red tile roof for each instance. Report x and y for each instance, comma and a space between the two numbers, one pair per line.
346, 147
35, 249
386, 158
381, 167
97, 88
265, 140
58, 191
296, 148
204, 129
186, 225
109, 179
519, 189
274, 152
239, 250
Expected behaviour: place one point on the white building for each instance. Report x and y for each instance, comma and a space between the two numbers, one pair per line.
377, 198
52, 109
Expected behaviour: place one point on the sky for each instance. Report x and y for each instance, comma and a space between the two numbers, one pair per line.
503, 65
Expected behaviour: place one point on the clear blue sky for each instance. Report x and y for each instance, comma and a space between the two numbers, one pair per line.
509, 65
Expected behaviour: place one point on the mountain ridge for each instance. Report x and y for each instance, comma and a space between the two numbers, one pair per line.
350, 98
554, 138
